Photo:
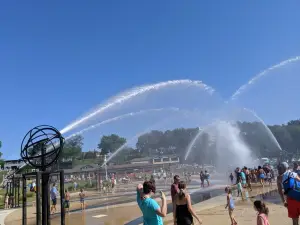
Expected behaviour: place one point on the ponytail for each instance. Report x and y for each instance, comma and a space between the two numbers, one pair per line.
181, 187
181, 194
265, 209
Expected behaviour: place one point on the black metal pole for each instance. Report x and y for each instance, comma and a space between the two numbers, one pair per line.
19, 184
48, 201
38, 198
7, 188
15, 194
10, 187
62, 197
45, 198
24, 206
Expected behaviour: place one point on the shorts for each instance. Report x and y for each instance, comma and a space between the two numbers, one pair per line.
293, 208
54, 201
67, 204
82, 200
261, 176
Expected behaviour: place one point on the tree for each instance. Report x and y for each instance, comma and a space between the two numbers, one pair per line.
1, 152
73, 147
110, 143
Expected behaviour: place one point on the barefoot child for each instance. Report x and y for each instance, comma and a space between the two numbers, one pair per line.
6, 206
230, 206
263, 211
82, 196
239, 188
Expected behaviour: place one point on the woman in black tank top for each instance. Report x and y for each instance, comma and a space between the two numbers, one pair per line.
182, 208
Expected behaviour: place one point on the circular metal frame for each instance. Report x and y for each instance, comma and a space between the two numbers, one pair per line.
41, 146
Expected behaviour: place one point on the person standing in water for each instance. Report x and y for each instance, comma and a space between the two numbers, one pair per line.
67, 201
53, 196
182, 207
261, 176
6, 206
202, 179
206, 176
230, 205
239, 188
82, 197
243, 176
231, 178
248, 178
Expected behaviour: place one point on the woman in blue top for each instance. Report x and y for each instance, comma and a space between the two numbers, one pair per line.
152, 212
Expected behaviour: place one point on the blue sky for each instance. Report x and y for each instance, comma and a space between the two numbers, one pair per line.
58, 59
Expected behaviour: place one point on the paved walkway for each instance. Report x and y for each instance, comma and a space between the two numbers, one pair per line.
211, 211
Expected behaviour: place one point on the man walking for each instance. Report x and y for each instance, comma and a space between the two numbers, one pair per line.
292, 205
174, 187
53, 195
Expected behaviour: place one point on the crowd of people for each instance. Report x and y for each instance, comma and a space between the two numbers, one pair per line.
247, 176
183, 212
66, 204
288, 184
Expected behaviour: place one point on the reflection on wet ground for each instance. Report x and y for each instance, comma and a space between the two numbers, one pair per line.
116, 209
271, 196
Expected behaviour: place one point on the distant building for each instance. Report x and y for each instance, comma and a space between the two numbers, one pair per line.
12, 164
164, 159
171, 159
144, 160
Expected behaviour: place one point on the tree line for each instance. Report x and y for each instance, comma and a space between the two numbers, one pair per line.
254, 135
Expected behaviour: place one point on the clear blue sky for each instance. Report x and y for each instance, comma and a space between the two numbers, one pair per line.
60, 58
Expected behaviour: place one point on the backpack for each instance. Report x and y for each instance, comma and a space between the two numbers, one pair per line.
292, 188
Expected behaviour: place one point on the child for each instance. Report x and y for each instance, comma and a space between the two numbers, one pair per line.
82, 196
230, 205
263, 211
269, 178
239, 188
6, 206
231, 178
67, 201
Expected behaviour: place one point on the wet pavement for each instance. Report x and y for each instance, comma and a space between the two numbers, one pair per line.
115, 208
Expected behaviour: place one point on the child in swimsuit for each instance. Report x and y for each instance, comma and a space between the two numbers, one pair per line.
82, 196
263, 211
230, 205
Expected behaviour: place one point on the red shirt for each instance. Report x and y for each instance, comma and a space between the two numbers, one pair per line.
174, 190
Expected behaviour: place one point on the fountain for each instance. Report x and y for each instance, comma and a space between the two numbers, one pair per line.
227, 141
272, 93
124, 116
189, 104
133, 93
231, 149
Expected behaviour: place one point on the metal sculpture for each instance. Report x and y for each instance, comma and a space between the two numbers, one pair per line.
41, 146
40, 149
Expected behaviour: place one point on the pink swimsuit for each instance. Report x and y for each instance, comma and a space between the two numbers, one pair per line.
264, 217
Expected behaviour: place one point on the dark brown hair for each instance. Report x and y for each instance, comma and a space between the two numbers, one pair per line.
148, 186
228, 190
181, 187
261, 207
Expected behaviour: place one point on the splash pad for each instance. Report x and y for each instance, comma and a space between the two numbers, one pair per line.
141, 109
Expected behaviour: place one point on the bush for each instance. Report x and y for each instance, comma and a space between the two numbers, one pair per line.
29, 194
70, 188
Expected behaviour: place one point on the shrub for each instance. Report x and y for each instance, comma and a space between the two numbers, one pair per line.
29, 194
